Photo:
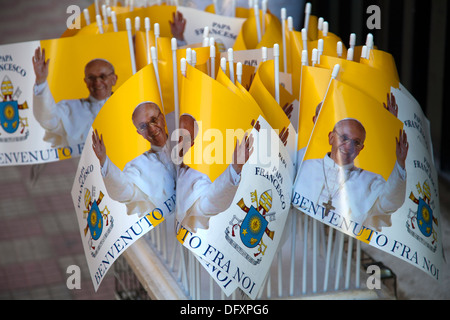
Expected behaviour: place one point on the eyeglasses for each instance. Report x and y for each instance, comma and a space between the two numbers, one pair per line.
153, 122
102, 77
356, 143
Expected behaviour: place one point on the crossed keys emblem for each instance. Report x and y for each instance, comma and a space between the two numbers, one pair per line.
94, 216
255, 224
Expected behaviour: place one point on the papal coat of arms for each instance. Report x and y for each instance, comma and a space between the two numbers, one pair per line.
252, 228
10, 120
423, 219
95, 217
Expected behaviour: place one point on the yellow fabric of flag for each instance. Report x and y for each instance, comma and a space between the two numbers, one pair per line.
383, 61
165, 67
221, 114
372, 81
248, 36
69, 56
114, 120
314, 84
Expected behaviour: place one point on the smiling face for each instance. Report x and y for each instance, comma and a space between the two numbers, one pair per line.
347, 141
150, 123
99, 77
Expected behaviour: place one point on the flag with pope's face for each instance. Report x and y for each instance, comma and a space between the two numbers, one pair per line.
37, 124
368, 180
120, 198
231, 220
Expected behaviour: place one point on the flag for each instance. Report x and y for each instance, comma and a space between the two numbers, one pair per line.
108, 224
383, 61
374, 82
263, 91
239, 225
68, 58
314, 84
248, 39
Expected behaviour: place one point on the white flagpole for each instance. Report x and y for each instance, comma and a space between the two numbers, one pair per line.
305, 61
216, 8
352, 40
223, 64
212, 56
305, 40
264, 12
364, 52
258, 24
325, 28
156, 32
319, 49
276, 56
189, 56
314, 57
86, 16
137, 24
231, 64
350, 54
339, 49
175, 82
239, 72
369, 44
130, 44
283, 36
147, 37
155, 67
99, 23
104, 14
108, 12
233, 8
97, 9
320, 24
114, 21
194, 58
334, 74
183, 66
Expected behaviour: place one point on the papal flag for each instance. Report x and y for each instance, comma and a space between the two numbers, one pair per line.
237, 209
366, 179
125, 182
49, 121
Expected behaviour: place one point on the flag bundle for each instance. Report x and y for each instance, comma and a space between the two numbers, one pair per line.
225, 129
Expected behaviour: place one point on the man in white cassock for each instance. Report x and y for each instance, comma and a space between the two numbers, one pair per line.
67, 122
148, 181
198, 198
336, 185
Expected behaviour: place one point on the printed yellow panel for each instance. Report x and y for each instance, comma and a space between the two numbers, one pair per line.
114, 122
69, 56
